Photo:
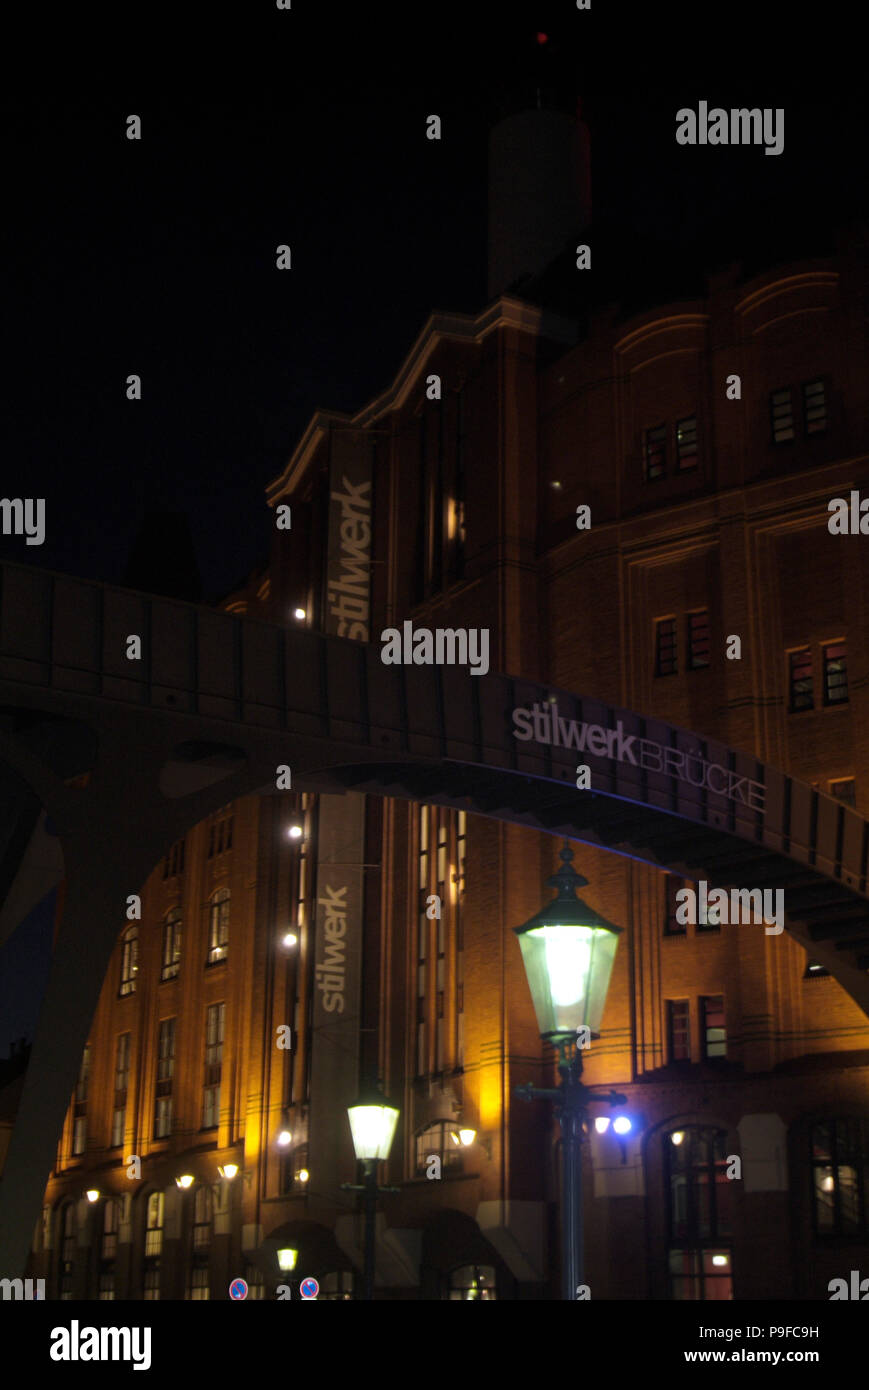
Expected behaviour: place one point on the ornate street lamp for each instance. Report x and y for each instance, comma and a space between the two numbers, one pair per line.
568, 951
372, 1123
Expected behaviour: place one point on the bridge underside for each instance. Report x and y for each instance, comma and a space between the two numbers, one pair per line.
824, 915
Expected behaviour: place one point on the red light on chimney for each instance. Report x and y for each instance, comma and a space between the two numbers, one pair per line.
542, 38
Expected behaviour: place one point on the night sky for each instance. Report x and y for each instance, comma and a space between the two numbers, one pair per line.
157, 257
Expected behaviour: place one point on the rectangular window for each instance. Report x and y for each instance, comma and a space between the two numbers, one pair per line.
199, 1291
214, 1023
679, 1030
163, 1117
815, 407
174, 861
152, 1283
666, 661
220, 837
218, 936
845, 789
81, 1090
686, 444
713, 1029
781, 416
171, 946
122, 1062
655, 453
119, 1115
166, 1050
698, 639
79, 1135
835, 674
672, 926
801, 689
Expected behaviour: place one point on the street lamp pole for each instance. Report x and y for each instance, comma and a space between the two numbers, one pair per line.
372, 1122
568, 951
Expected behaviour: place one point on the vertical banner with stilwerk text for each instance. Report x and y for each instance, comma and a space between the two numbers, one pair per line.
340, 840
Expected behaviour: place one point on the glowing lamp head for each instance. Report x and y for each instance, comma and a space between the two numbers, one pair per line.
93, 1194
290, 940
467, 1137
284, 1138
228, 1171
372, 1123
185, 1181
622, 1125
299, 614
295, 832
719, 1260
303, 1175
568, 951
287, 1258
677, 1137
602, 1123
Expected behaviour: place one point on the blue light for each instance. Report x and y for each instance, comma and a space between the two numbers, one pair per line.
622, 1125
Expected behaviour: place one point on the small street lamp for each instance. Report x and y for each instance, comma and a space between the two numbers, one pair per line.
568, 951
372, 1123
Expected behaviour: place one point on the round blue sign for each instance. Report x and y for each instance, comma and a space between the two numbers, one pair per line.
309, 1288
238, 1289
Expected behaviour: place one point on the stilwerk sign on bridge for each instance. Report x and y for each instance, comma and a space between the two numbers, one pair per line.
218, 702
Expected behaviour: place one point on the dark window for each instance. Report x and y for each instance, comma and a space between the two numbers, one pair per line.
712, 1026
174, 861
672, 925
845, 790
666, 661
79, 1135
129, 961
66, 1264
220, 837
171, 945
708, 918
218, 934
814, 970
656, 453
801, 691
202, 1218
256, 1284
782, 415
472, 1282
165, 1073
81, 1090
815, 407
214, 1021
835, 674
699, 1193
840, 1177
122, 1077
686, 444
336, 1287
679, 1030
698, 639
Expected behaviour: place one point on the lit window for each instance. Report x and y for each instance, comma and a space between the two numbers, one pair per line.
171, 945
79, 1135
129, 961
840, 1165
666, 662
801, 688
700, 1263
472, 1282
154, 1225
655, 453
782, 416
218, 936
437, 1140
214, 1023
714, 1032
686, 444
835, 674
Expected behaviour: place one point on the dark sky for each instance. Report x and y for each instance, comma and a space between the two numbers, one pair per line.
157, 257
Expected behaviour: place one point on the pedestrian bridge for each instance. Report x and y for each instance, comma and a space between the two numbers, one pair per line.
105, 761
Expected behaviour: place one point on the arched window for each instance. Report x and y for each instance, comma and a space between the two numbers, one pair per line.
108, 1251
440, 1139
218, 931
698, 1214
171, 945
153, 1246
129, 960
66, 1252
840, 1177
472, 1282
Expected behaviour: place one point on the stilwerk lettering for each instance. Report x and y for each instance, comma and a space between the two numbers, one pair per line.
348, 595
543, 724
330, 970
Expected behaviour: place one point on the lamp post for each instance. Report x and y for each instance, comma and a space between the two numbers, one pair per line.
568, 951
372, 1123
